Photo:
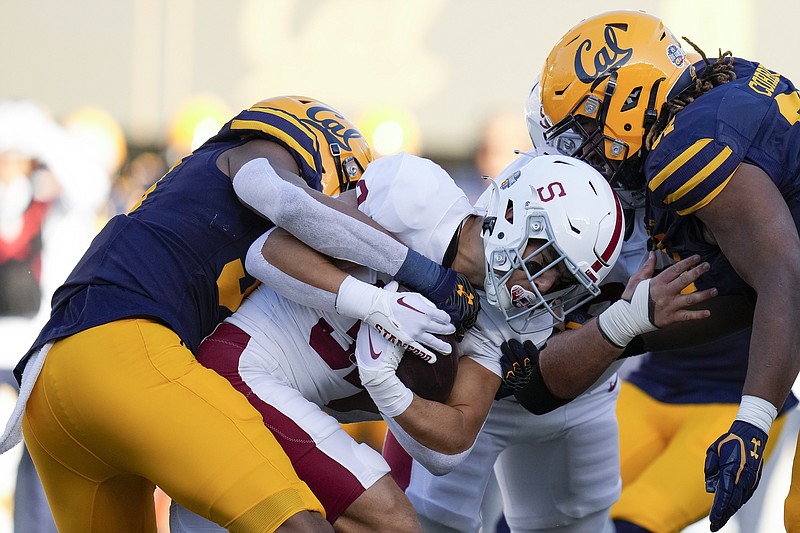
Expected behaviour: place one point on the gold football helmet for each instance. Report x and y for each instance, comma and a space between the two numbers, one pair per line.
606, 80
343, 151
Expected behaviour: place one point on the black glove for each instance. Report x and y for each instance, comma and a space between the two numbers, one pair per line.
733, 470
462, 303
516, 365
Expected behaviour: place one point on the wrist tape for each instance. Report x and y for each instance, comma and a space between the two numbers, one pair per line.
623, 321
355, 298
387, 391
757, 411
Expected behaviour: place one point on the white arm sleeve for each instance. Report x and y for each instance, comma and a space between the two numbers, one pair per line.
284, 284
436, 463
323, 228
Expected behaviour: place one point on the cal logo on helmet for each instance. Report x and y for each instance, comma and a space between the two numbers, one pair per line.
328, 148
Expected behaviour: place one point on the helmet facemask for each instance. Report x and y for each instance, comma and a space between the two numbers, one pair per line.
580, 134
530, 310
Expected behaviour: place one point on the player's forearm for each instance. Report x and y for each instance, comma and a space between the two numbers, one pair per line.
437, 426
293, 258
452, 427
575, 359
774, 347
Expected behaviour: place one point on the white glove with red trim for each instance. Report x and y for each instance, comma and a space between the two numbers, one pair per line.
406, 319
377, 359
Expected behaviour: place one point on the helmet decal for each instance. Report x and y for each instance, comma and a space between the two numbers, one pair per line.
676, 54
331, 124
608, 57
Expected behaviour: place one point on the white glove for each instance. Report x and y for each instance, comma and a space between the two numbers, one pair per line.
377, 359
623, 321
406, 319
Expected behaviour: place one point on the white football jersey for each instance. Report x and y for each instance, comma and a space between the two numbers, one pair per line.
410, 196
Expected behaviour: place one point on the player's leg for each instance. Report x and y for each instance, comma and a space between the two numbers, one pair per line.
562, 474
666, 496
349, 478
645, 428
122, 406
382, 507
642, 432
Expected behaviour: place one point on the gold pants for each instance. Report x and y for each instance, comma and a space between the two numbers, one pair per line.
123, 407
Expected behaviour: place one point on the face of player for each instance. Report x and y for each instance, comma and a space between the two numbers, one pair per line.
549, 280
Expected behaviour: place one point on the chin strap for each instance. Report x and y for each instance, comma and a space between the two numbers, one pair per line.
452, 248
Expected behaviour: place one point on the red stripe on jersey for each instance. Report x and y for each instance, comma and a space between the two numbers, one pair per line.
330, 481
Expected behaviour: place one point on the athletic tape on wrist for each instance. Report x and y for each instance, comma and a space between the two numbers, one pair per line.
757, 411
389, 394
623, 321
355, 298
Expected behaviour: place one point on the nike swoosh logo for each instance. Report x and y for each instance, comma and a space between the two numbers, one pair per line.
613, 385
402, 301
372, 351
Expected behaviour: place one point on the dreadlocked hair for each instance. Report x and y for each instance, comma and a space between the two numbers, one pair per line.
716, 73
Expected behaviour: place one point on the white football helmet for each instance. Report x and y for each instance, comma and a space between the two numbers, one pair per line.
538, 123
573, 215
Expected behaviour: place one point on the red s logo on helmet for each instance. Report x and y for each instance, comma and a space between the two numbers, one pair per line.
551, 189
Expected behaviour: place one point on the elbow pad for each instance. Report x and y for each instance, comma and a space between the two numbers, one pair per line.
536, 397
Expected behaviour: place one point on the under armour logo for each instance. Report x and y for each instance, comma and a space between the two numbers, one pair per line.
462, 292
756, 443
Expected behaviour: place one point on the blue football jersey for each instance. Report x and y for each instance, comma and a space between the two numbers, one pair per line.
753, 119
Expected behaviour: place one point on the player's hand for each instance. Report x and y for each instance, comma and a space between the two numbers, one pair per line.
733, 470
517, 363
651, 303
375, 354
377, 359
516, 366
666, 304
410, 321
462, 304
455, 295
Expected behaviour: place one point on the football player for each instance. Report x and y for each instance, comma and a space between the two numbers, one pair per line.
713, 145
670, 405
517, 446
114, 401
539, 241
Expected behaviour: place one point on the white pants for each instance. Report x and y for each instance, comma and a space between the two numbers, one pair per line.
556, 472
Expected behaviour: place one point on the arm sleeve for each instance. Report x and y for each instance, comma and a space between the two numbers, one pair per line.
435, 462
284, 284
536, 397
321, 227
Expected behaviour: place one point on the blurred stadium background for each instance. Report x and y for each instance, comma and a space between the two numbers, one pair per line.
142, 82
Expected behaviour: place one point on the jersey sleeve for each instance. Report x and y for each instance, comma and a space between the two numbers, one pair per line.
689, 178
698, 152
416, 200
